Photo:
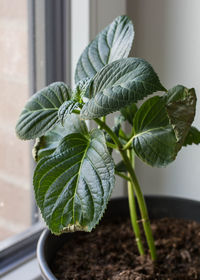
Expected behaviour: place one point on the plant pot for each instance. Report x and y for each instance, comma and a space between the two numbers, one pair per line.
158, 207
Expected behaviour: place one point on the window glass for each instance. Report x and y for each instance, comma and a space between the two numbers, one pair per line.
15, 197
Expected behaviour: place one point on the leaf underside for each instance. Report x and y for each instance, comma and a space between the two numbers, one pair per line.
74, 184
181, 106
193, 137
118, 84
113, 43
40, 113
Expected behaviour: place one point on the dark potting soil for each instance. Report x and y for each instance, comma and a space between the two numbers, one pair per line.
110, 252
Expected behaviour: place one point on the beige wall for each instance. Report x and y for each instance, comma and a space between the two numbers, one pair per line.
14, 154
168, 36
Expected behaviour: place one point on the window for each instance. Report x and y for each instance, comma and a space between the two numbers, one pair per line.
33, 53
15, 196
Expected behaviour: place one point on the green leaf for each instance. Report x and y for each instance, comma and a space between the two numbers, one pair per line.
41, 112
113, 43
129, 112
121, 167
175, 94
47, 144
80, 90
66, 109
154, 139
73, 124
118, 84
193, 137
181, 106
117, 129
74, 184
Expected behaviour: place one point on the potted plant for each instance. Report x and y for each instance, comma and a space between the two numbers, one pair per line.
75, 172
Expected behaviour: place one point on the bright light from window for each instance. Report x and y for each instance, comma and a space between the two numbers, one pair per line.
14, 154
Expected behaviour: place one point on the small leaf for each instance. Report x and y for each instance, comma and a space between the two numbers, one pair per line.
181, 106
73, 124
113, 43
117, 129
121, 167
41, 112
193, 137
74, 184
176, 93
154, 141
118, 84
48, 143
66, 109
117, 124
129, 112
80, 90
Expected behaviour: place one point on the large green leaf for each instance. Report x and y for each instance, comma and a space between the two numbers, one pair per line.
193, 137
154, 141
41, 112
181, 106
46, 145
74, 184
118, 84
113, 43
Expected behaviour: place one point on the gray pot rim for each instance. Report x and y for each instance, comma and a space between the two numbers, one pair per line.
44, 267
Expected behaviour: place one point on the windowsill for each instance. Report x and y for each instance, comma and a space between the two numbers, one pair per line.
18, 252
28, 271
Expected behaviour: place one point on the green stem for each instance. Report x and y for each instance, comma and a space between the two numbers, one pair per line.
76, 112
122, 175
109, 131
103, 119
123, 135
128, 144
111, 145
137, 190
133, 215
142, 206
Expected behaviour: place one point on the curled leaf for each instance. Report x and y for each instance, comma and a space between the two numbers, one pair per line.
193, 137
181, 107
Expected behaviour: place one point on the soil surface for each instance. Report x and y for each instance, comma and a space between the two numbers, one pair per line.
110, 252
